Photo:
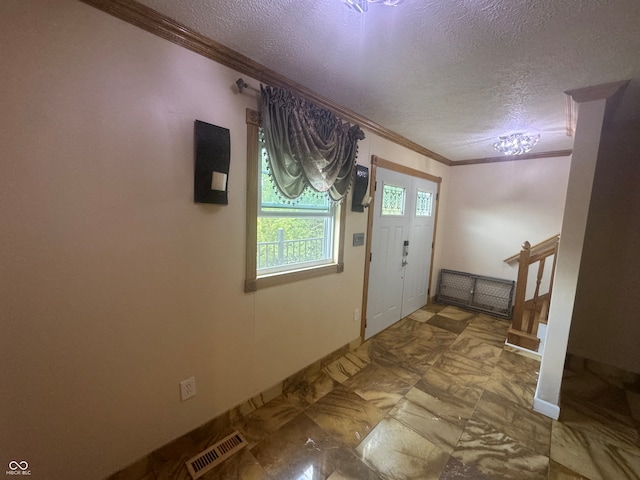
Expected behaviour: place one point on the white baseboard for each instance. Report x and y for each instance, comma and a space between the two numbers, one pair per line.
546, 408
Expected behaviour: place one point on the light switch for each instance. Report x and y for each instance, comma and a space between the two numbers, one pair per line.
358, 239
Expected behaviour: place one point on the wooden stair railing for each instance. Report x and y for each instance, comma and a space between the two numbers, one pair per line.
528, 314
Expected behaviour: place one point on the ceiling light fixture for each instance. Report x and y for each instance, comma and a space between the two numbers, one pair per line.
363, 5
516, 143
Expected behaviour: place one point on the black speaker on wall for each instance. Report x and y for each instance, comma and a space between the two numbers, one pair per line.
360, 200
213, 157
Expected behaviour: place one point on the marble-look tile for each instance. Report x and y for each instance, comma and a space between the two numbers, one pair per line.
306, 389
495, 340
437, 335
601, 393
446, 323
343, 369
382, 386
457, 396
456, 364
420, 412
515, 378
455, 313
373, 351
610, 374
407, 330
443, 393
398, 334
456, 470
352, 468
604, 425
421, 315
460, 380
488, 330
299, 450
335, 355
345, 415
241, 466
397, 452
356, 360
512, 363
633, 399
523, 425
267, 419
591, 456
515, 390
259, 400
168, 462
402, 373
419, 354
560, 472
477, 350
496, 455
523, 352
434, 307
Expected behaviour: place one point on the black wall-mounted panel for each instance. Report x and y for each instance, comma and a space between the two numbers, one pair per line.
361, 183
213, 154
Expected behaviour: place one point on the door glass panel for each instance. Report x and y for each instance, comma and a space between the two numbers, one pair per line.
424, 204
393, 199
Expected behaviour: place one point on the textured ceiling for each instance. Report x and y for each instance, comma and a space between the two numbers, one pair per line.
450, 75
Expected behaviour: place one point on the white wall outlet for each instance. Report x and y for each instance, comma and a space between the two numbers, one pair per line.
187, 388
356, 315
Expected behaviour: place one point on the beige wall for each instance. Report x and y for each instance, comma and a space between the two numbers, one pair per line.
605, 323
114, 286
493, 208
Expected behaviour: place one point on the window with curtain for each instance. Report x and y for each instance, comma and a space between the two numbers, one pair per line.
292, 234
300, 166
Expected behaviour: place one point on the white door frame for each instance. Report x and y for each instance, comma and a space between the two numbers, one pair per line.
382, 163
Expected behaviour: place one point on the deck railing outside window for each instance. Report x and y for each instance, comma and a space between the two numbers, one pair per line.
286, 252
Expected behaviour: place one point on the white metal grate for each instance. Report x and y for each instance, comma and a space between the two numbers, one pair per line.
212, 456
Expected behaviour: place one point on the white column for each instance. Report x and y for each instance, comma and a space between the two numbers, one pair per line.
592, 104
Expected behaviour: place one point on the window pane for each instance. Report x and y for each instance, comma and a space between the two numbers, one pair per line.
292, 234
286, 241
424, 204
393, 200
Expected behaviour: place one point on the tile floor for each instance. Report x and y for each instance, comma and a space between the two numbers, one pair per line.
435, 396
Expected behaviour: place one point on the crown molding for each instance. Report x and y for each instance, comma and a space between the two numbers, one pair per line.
513, 158
158, 24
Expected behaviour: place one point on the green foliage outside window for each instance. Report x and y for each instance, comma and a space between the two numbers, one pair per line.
295, 227
292, 231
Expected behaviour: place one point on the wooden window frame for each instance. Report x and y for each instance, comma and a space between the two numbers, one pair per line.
252, 281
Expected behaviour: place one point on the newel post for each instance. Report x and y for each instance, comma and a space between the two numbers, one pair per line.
521, 286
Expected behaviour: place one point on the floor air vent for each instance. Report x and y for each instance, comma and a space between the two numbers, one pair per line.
212, 456
486, 294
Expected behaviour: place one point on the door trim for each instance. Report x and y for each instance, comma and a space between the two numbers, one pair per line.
389, 165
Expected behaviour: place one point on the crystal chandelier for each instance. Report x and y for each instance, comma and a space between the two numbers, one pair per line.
516, 143
363, 5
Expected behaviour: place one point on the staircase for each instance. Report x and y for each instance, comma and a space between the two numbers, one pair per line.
529, 313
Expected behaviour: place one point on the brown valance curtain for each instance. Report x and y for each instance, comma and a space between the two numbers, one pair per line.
308, 147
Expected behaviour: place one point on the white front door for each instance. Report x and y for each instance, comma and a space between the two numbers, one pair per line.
421, 223
401, 243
